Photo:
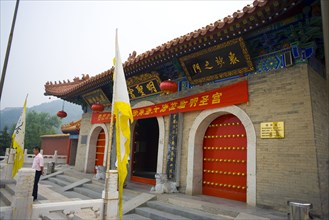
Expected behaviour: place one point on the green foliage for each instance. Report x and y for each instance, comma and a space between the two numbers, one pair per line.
5, 139
38, 124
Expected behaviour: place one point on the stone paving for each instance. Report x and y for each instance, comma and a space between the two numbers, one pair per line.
136, 194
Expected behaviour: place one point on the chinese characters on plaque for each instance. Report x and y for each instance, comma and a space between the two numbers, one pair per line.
143, 85
221, 61
272, 129
96, 96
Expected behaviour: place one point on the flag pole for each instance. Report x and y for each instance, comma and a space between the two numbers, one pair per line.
107, 173
4, 69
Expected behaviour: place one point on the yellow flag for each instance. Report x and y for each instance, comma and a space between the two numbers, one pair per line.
18, 141
123, 114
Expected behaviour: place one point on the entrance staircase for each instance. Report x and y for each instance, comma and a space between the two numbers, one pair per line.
138, 203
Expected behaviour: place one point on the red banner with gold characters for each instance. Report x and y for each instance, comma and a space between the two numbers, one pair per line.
236, 93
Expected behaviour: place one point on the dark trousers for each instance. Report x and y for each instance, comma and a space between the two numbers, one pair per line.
36, 181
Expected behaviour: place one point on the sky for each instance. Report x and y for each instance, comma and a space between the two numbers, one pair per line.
61, 39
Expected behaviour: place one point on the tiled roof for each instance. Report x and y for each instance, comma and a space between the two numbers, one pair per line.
65, 90
73, 126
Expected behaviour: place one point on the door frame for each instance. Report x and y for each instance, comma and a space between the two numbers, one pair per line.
195, 150
91, 146
161, 125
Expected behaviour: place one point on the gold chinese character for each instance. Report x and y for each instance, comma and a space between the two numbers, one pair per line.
102, 98
131, 93
204, 100
194, 101
196, 68
135, 112
156, 108
151, 87
216, 98
140, 90
207, 65
233, 58
182, 104
148, 111
219, 61
173, 106
141, 112
164, 107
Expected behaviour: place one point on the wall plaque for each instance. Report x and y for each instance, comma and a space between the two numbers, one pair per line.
220, 61
272, 129
96, 96
143, 85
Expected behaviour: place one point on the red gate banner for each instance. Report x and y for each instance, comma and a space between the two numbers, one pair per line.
236, 93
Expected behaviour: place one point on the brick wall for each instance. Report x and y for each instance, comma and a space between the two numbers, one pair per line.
84, 132
319, 97
50, 143
287, 169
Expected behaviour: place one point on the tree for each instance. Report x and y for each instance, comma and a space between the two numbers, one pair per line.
5, 140
38, 124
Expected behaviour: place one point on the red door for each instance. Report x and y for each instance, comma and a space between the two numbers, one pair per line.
100, 148
225, 159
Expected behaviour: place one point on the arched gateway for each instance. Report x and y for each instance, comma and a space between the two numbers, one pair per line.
195, 169
225, 159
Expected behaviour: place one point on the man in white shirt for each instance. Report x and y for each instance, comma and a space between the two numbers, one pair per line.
38, 167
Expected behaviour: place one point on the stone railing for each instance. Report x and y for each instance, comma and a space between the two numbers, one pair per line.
5, 158
22, 206
28, 158
57, 159
69, 209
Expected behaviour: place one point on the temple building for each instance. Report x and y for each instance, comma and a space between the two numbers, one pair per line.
249, 119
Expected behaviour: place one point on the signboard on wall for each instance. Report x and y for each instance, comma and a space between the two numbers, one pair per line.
143, 85
233, 94
272, 130
96, 96
220, 61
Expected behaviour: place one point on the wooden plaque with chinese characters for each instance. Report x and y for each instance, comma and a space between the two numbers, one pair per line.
143, 85
96, 96
220, 61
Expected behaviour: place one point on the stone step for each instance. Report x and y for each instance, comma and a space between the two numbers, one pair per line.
137, 201
87, 192
59, 181
47, 193
185, 212
11, 188
157, 214
2, 204
51, 185
94, 187
134, 217
67, 178
75, 195
5, 197
54, 216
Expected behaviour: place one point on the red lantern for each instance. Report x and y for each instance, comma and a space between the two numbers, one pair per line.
97, 107
168, 86
61, 114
